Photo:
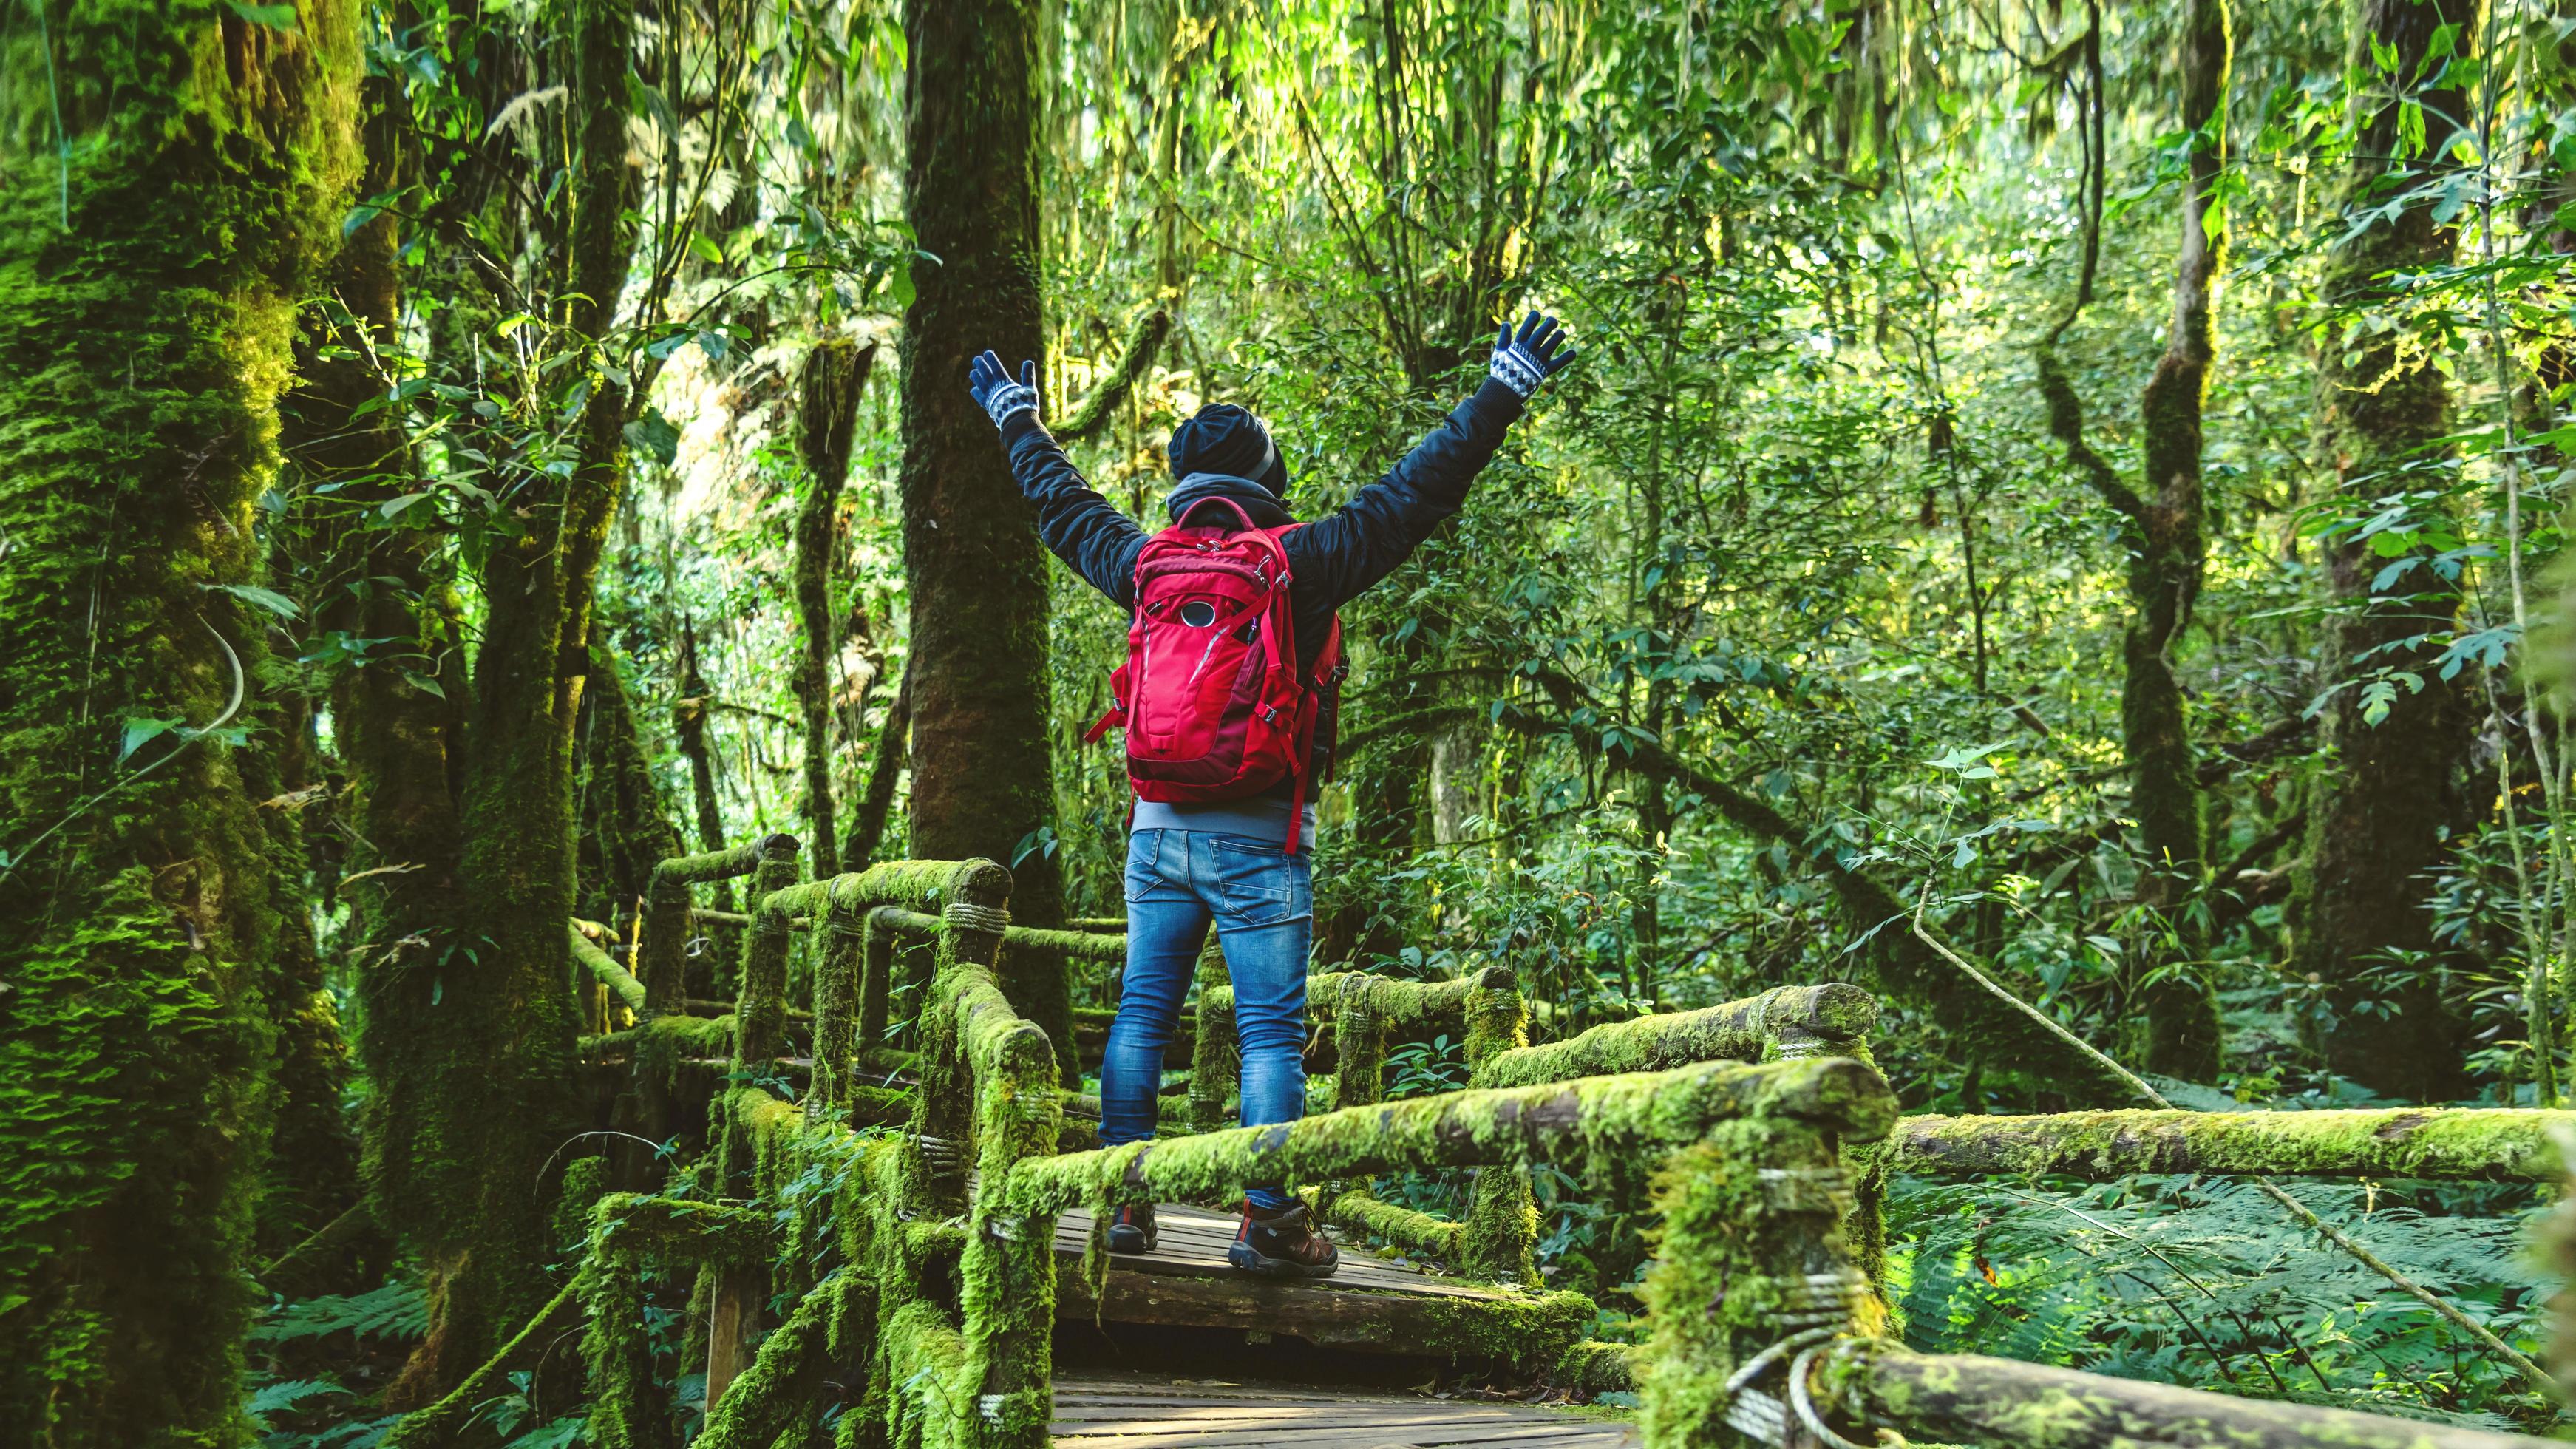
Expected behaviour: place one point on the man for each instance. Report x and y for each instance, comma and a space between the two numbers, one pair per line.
1193, 862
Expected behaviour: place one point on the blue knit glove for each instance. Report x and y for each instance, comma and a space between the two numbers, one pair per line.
1524, 360
994, 391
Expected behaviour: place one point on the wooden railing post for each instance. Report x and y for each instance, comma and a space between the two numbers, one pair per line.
1501, 1237
760, 1034
876, 987
665, 947
667, 918
1752, 1279
760, 1017
839, 969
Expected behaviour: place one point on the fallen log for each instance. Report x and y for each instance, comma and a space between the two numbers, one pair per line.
1969, 1399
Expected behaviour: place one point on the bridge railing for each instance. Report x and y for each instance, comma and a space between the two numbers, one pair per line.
921, 1268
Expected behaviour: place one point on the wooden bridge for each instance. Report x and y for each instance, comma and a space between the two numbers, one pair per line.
922, 1221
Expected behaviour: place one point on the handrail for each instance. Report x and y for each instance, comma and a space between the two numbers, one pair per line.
1833, 1019
665, 926
603, 967
1591, 1118
2487, 1144
1761, 1319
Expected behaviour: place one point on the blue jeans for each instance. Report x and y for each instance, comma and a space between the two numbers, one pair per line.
1263, 904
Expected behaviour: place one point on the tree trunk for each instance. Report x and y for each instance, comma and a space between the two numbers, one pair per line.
876, 807
495, 1101
982, 779
828, 389
626, 826
160, 225
2163, 535
2380, 812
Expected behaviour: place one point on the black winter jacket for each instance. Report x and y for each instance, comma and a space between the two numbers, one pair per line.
1330, 561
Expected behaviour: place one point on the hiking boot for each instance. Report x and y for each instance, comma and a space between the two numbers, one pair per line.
1132, 1230
1281, 1243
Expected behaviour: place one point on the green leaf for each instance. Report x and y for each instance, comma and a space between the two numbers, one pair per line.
707, 251
269, 599
141, 732
393, 506
653, 434
276, 17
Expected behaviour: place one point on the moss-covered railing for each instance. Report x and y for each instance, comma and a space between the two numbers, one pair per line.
2494, 1144
918, 1268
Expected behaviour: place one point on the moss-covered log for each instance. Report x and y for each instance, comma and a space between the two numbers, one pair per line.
1528, 1331
601, 967
1601, 1116
171, 174
1078, 945
1967, 1399
1750, 1261
1593, 1367
1786, 1021
2497, 1144
1414, 1232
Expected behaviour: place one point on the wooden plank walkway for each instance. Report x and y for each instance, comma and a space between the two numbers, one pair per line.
1371, 1304
1139, 1412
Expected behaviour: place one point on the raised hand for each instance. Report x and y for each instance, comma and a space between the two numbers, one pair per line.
1524, 359
994, 391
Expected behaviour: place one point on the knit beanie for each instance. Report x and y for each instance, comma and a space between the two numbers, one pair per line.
1224, 438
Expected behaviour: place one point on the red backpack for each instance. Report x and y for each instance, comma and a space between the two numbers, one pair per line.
1210, 696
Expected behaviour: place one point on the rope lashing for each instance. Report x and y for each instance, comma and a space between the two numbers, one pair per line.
1817, 1309
970, 916
1804, 1405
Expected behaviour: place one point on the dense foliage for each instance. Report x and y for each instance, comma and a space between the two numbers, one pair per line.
2075, 490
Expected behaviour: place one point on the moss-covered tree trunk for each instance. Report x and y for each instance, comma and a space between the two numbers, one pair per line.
397, 730
626, 826
982, 780
2380, 810
827, 407
170, 173
2161, 526
482, 1085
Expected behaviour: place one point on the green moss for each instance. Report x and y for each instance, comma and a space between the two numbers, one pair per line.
601, 967
154, 252
1414, 1232
1599, 1117
1833, 1019
776, 1394
709, 866
1749, 1252
1593, 1367
2495, 1144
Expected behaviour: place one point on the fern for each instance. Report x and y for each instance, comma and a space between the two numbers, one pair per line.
2206, 1282
270, 1398
395, 1311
